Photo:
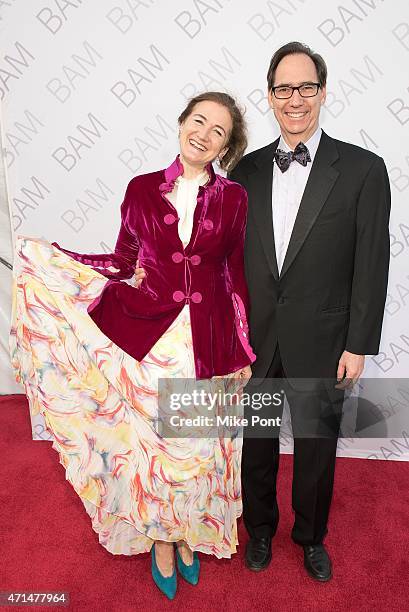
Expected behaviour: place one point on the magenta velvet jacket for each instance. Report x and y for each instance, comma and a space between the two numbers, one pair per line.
208, 274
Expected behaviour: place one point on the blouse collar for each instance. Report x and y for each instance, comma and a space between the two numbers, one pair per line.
176, 169
200, 180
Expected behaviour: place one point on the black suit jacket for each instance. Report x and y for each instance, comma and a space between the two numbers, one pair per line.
331, 292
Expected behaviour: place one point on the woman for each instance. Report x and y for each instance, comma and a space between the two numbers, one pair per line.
90, 351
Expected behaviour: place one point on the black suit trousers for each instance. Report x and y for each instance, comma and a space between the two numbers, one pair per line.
315, 423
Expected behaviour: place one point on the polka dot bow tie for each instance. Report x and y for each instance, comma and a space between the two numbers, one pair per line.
283, 159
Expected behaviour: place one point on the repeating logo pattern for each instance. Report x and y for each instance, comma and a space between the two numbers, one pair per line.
90, 94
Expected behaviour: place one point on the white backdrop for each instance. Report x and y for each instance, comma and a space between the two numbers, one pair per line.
7, 382
91, 90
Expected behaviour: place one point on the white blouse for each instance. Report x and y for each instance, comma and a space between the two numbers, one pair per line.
184, 199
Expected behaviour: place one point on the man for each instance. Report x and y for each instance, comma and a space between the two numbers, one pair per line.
317, 256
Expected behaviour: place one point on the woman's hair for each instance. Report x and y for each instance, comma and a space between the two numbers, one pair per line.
291, 49
237, 142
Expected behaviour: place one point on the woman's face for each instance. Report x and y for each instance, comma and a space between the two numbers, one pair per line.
205, 133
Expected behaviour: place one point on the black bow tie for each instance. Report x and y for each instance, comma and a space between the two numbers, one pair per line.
284, 158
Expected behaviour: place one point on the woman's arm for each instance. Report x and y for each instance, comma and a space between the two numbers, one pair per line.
121, 263
236, 276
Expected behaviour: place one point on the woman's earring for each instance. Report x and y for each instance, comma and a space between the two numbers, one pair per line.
220, 158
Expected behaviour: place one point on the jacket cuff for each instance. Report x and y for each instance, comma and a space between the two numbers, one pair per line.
99, 263
242, 327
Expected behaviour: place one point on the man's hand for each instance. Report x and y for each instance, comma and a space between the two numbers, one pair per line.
350, 368
139, 275
244, 374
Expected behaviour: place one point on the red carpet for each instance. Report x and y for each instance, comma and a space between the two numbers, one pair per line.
48, 543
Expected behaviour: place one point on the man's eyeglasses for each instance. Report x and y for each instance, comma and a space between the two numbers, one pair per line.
306, 90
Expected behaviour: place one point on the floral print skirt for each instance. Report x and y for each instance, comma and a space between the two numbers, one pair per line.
100, 406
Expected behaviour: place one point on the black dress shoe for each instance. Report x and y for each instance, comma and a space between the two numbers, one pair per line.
258, 553
317, 562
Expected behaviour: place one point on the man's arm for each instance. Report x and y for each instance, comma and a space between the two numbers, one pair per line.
370, 277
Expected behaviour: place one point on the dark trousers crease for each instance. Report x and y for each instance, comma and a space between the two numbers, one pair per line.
315, 419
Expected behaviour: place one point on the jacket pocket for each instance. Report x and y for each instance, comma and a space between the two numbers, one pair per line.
335, 310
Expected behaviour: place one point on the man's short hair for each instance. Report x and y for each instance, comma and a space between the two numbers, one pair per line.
293, 48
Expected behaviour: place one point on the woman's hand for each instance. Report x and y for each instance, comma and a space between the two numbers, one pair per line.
244, 374
139, 275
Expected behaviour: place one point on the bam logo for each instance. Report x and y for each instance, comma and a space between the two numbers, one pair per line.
75, 71
84, 139
264, 26
87, 206
122, 19
357, 10
214, 76
146, 145
192, 22
22, 135
54, 18
14, 68
147, 71
29, 200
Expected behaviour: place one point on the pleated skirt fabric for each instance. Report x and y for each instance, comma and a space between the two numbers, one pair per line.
100, 406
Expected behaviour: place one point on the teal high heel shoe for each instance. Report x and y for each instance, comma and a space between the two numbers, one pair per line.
167, 584
189, 572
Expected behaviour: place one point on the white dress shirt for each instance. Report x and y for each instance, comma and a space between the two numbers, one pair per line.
288, 189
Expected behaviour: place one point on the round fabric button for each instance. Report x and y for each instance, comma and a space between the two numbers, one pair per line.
208, 224
178, 296
195, 259
177, 257
169, 219
196, 297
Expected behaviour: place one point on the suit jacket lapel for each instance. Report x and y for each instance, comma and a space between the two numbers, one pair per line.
320, 182
260, 183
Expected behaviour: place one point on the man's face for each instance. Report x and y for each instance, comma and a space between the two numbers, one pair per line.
297, 116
